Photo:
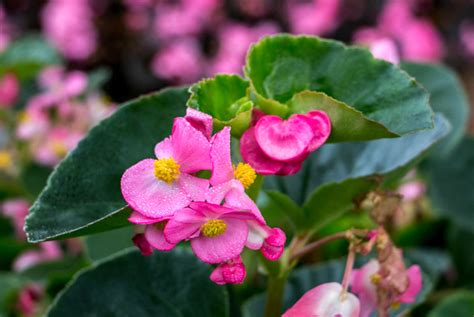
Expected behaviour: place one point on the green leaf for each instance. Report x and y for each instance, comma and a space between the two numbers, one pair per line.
333, 177
163, 284
49, 270
102, 245
286, 206
83, 193
28, 55
224, 97
10, 284
446, 96
450, 184
348, 124
283, 65
460, 247
306, 278
459, 304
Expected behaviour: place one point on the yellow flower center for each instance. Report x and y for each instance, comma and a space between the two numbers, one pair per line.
213, 228
167, 170
59, 148
245, 174
5, 159
375, 278
395, 305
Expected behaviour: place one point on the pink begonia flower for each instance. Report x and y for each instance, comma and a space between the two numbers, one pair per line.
200, 121
58, 142
217, 233
420, 41
156, 188
412, 190
180, 61
364, 284
16, 210
49, 251
230, 272
395, 16
467, 36
317, 17
70, 27
277, 146
29, 299
380, 45
150, 234
325, 300
234, 41
9, 90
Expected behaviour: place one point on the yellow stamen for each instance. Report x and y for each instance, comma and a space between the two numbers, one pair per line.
5, 159
167, 170
375, 279
245, 174
395, 305
59, 148
23, 117
213, 228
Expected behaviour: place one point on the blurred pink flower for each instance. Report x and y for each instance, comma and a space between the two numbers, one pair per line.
395, 16
48, 251
412, 190
69, 25
16, 210
380, 45
5, 30
56, 144
29, 299
420, 41
317, 17
467, 36
9, 90
328, 300
234, 41
180, 61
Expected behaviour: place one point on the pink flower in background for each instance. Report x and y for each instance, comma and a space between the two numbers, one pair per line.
9, 90
217, 233
156, 188
317, 17
230, 272
328, 300
412, 190
70, 26
234, 40
29, 299
277, 146
420, 41
365, 280
380, 45
180, 61
467, 36
395, 16
48, 251
58, 142
5, 30
16, 210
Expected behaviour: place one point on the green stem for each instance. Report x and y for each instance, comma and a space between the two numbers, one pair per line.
254, 189
275, 292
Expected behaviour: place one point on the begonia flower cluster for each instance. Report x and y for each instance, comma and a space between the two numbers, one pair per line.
173, 202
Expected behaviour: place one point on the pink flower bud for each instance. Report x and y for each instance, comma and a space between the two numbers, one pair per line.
230, 272
9, 90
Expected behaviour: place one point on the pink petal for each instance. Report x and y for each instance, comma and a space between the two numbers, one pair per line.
51, 250
224, 247
253, 155
156, 238
139, 219
75, 83
216, 194
195, 187
362, 286
27, 259
256, 237
183, 225
210, 210
325, 300
291, 168
284, 140
414, 286
148, 195
190, 147
231, 272
200, 121
164, 149
274, 244
321, 124
142, 244
220, 157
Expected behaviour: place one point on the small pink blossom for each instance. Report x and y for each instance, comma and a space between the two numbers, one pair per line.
230, 272
467, 36
412, 190
318, 17
16, 210
58, 142
277, 146
380, 45
48, 251
364, 283
150, 234
9, 90
142, 244
29, 299
156, 188
325, 300
420, 41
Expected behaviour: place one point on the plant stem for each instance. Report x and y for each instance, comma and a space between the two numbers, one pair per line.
275, 292
348, 269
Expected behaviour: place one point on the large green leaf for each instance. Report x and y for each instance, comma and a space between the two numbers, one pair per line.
26, 56
336, 175
104, 244
460, 247
280, 66
163, 284
83, 195
459, 304
450, 182
306, 278
348, 124
446, 96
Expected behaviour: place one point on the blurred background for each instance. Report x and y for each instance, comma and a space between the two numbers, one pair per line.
67, 64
